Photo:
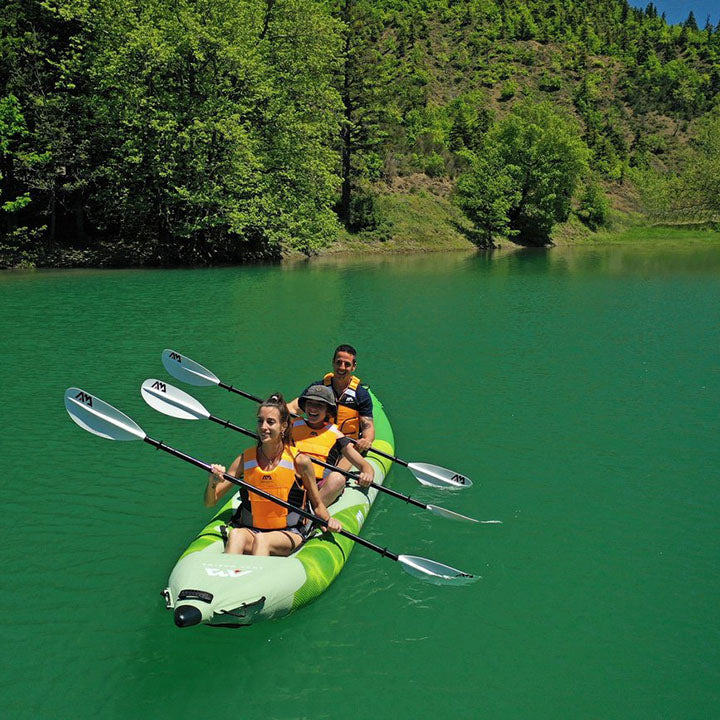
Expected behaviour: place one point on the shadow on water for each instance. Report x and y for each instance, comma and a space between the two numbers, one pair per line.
508, 258
640, 259
612, 260
511, 259
529, 259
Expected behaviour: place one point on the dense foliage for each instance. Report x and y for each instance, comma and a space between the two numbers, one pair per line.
168, 131
523, 176
206, 131
692, 192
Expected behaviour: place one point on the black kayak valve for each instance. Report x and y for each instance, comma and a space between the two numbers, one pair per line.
186, 615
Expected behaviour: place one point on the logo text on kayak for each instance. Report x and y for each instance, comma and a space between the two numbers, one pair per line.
219, 572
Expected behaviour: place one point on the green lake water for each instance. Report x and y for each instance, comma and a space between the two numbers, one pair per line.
579, 388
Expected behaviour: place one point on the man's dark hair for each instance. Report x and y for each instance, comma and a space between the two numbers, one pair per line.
345, 348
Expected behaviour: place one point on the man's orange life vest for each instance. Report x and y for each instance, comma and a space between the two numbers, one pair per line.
258, 512
348, 419
315, 443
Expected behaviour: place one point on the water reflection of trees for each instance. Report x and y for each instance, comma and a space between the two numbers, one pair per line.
613, 259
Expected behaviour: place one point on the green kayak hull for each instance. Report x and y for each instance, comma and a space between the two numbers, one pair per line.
211, 587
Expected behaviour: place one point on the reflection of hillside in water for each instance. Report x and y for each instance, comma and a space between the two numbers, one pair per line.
432, 263
611, 259
400, 262
641, 259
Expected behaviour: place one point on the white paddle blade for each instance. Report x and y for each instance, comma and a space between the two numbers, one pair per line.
96, 416
171, 401
187, 370
434, 572
449, 514
436, 476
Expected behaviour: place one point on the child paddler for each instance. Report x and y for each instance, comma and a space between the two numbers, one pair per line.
317, 436
354, 404
260, 526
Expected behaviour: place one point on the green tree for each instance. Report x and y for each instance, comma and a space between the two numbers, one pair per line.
215, 124
593, 207
522, 179
372, 86
196, 131
12, 127
43, 61
700, 180
172, 131
16, 239
487, 193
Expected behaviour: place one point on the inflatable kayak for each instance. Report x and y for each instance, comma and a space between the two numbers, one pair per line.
211, 587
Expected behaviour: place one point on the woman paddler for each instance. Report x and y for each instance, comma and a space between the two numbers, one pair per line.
260, 526
317, 436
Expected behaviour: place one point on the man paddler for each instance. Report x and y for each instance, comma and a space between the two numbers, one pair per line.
354, 405
317, 436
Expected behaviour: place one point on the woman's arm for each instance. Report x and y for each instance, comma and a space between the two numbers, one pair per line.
217, 486
306, 470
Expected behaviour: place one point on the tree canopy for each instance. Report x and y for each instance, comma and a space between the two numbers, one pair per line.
209, 131
523, 176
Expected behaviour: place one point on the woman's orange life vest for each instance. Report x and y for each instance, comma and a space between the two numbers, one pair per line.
348, 419
315, 443
282, 482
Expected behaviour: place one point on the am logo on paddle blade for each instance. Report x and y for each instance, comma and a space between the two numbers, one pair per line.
83, 397
460, 479
176, 356
161, 386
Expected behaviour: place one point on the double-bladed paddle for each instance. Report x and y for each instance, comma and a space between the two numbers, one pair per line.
188, 371
96, 416
169, 400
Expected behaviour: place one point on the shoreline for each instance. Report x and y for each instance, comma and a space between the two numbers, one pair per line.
421, 225
424, 220
670, 238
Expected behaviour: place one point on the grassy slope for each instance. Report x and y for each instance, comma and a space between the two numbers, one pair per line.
420, 217
420, 209
423, 221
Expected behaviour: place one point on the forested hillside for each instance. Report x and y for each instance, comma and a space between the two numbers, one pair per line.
145, 132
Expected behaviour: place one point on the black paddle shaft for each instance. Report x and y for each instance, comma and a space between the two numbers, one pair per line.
384, 489
232, 426
232, 388
158, 445
384, 454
